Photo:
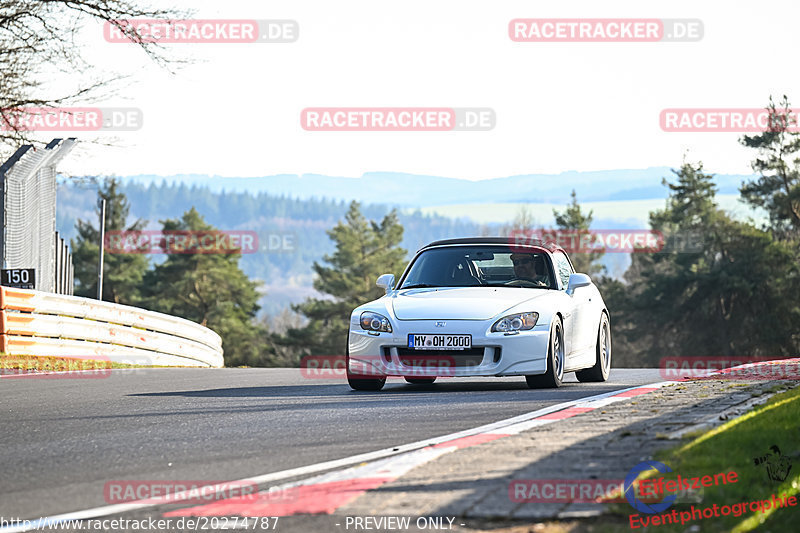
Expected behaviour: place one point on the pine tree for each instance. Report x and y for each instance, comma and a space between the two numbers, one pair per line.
122, 273
778, 163
573, 218
364, 250
210, 289
728, 297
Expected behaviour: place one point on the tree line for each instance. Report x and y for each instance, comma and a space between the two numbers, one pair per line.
736, 294
209, 289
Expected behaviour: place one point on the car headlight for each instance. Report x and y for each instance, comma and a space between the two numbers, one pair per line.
520, 321
375, 322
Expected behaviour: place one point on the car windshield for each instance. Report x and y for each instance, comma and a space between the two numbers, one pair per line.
480, 266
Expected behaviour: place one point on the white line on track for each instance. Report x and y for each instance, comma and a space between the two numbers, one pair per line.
511, 425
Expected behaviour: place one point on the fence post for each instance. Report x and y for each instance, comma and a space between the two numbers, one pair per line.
102, 248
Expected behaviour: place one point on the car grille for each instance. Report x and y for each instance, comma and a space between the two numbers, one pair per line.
440, 358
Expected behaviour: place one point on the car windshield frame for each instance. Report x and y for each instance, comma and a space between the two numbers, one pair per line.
488, 247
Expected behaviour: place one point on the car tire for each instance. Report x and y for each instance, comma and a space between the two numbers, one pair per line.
360, 382
554, 375
420, 381
602, 365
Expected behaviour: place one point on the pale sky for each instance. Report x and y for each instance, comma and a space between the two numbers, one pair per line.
558, 106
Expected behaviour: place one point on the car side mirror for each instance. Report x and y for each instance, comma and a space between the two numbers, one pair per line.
577, 280
386, 282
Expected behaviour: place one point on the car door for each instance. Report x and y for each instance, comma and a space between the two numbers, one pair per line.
581, 305
563, 269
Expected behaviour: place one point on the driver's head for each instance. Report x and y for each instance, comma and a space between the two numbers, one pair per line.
524, 266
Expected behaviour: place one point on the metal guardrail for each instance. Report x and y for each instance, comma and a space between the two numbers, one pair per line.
45, 324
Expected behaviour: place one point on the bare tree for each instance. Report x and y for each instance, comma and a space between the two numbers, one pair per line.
39, 36
524, 221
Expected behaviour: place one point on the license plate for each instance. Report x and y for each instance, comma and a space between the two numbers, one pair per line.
439, 342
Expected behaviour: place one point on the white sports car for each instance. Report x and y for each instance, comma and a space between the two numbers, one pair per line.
482, 307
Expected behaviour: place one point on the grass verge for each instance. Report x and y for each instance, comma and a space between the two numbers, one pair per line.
29, 364
748, 446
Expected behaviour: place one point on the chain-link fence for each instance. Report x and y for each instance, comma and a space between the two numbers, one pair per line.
28, 214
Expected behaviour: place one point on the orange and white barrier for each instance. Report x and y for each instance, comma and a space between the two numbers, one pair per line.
35, 323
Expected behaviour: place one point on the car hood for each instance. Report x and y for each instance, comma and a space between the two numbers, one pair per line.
460, 303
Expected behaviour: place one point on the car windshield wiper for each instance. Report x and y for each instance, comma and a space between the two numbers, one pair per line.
419, 286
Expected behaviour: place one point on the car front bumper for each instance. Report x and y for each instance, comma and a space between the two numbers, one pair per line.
493, 354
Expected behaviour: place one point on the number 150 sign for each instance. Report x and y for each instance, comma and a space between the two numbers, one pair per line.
20, 278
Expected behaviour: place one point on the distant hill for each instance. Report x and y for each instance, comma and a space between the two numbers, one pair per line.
392, 188
430, 208
286, 273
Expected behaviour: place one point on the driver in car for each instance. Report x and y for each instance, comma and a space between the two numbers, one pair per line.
530, 267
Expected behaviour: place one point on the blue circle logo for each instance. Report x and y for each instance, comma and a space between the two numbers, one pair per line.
630, 494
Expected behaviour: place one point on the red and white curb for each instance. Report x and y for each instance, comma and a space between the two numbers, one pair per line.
326, 493
340, 485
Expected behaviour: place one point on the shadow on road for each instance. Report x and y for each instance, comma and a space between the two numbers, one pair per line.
608, 456
392, 389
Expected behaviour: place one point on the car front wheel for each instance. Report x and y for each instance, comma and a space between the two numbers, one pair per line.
602, 365
555, 361
361, 382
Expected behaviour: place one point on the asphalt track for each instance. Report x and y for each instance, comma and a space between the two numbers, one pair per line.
64, 439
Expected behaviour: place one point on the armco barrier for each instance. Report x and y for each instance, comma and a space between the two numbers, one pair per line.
45, 324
